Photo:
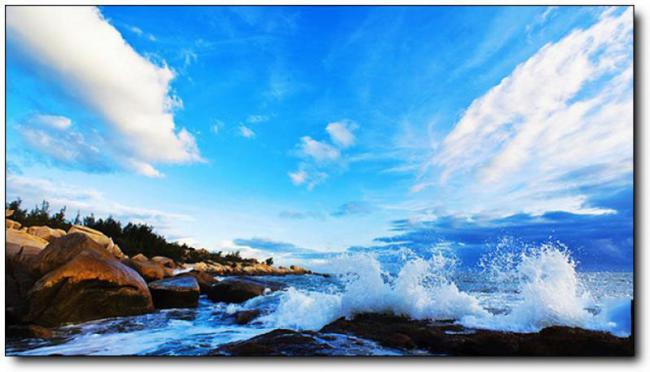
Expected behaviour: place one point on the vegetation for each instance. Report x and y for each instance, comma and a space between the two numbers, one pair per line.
133, 238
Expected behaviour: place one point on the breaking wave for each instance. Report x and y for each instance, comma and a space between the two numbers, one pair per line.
534, 288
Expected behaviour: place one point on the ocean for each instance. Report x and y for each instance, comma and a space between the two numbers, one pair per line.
516, 292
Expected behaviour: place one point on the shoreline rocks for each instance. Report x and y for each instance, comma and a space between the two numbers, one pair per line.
443, 338
88, 287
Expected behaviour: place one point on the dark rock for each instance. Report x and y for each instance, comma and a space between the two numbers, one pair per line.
89, 286
245, 316
449, 339
29, 331
180, 291
205, 280
238, 290
280, 342
19, 279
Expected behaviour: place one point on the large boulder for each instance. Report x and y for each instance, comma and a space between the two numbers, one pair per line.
180, 291
62, 250
238, 290
140, 257
89, 286
45, 232
100, 238
11, 224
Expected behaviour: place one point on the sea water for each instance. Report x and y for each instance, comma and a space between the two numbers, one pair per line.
519, 291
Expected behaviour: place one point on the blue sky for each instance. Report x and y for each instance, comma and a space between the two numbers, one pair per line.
299, 132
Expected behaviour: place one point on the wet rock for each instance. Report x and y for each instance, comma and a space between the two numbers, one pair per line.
45, 232
87, 287
245, 316
100, 238
280, 342
238, 290
29, 331
447, 338
205, 280
177, 292
19, 279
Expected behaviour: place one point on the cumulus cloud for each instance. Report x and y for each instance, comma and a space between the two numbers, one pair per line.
246, 132
87, 57
341, 132
560, 123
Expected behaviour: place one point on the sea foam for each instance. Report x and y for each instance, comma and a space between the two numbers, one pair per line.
547, 292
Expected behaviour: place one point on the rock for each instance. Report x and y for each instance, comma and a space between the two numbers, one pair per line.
167, 262
61, 250
140, 257
19, 278
280, 342
11, 224
100, 238
149, 270
245, 316
205, 280
238, 290
45, 232
87, 287
28, 331
17, 240
9, 212
447, 338
180, 291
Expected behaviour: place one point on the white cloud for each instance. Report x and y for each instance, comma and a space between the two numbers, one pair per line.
298, 177
87, 201
217, 126
341, 133
254, 119
321, 157
246, 132
561, 122
52, 121
319, 151
88, 58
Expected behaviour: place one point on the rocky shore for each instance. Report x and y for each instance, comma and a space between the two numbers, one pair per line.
419, 337
56, 277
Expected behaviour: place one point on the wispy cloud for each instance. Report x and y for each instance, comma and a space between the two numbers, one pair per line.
131, 93
246, 132
531, 147
353, 208
87, 200
320, 155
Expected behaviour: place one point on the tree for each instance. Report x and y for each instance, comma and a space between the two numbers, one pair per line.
269, 261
